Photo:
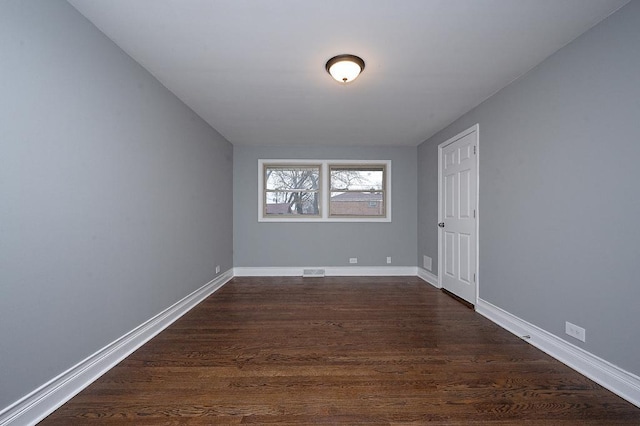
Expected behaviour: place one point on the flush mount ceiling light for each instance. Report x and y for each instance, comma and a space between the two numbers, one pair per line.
345, 68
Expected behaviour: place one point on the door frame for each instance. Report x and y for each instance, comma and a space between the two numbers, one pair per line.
475, 128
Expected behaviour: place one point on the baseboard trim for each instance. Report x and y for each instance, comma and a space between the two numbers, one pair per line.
428, 277
619, 381
330, 271
47, 398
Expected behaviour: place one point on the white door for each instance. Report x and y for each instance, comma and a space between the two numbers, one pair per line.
458, 195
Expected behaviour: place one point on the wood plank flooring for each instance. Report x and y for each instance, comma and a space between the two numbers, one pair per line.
380, 351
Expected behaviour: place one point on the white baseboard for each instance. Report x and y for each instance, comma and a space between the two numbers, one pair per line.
47, 398
267, 271
330, 271
617, 380
428, 277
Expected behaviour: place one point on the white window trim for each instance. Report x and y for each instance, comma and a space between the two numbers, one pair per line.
324, 190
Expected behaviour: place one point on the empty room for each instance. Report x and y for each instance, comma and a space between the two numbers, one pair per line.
319, 212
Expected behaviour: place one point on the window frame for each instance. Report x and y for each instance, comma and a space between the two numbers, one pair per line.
265, 191
357, 166
324, 190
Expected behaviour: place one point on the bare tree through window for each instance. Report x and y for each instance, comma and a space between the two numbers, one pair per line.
292, 190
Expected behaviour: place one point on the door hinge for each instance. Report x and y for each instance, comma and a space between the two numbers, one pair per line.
474, 277
474, 213
474, 150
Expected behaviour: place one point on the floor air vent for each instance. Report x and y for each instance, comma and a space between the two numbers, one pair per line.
313, 272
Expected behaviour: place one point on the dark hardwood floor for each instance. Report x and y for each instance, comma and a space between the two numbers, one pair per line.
384, 351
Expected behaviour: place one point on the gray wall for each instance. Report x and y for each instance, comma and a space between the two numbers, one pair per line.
115, 198
559, 198
324, 244
428, 204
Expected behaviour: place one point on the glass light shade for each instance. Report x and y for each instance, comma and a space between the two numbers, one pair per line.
345, 68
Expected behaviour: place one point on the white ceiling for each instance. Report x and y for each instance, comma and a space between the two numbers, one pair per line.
254, 69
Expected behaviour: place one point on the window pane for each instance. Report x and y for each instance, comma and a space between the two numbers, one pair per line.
362, 203
292, 203
357, 179
295, 177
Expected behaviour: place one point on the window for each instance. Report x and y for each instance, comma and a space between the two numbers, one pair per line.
324, 191
357, 191
291, 190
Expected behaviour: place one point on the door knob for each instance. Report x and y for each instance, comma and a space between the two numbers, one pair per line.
441, 224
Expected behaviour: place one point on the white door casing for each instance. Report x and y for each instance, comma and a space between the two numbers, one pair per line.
458, 214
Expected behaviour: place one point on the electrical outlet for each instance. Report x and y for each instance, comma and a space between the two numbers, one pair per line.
353, 260
575, 331
388, 259
218, 269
